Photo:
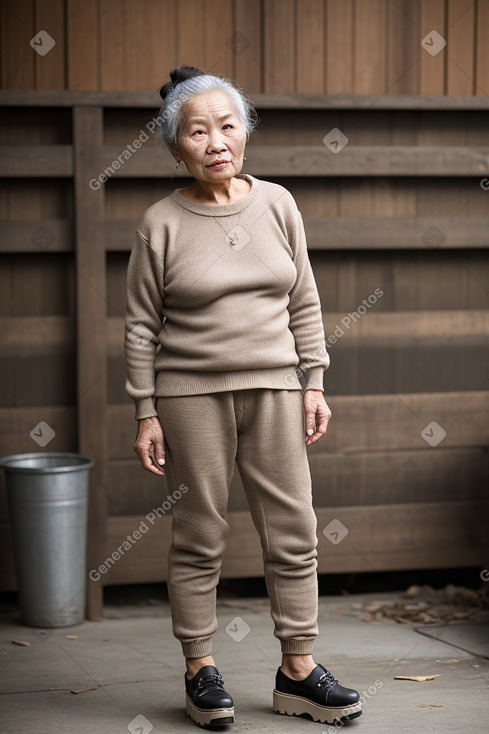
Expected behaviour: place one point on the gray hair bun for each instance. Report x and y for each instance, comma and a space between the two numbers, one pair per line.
177, 75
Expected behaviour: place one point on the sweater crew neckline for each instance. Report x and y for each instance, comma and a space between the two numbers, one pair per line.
219, 210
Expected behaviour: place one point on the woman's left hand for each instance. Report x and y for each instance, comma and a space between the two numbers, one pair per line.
317, 415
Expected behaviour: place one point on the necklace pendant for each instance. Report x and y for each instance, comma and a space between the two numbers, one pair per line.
237, 237
233, 237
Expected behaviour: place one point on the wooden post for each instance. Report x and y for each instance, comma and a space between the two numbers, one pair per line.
91, 308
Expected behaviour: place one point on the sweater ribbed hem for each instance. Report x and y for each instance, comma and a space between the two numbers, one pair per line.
197, 648
173, 383
177, 383
297, 647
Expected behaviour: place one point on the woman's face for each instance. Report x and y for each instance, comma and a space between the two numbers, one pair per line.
211, 132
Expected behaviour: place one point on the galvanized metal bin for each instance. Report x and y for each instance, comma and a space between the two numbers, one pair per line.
48, 502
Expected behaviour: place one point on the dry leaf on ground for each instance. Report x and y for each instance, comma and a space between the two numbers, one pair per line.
430, 706
418, 678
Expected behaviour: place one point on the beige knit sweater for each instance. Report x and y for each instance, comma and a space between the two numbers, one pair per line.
206, 315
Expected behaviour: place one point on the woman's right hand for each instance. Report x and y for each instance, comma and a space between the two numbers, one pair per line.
149, 445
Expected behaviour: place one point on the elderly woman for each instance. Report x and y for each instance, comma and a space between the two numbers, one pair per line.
223, 317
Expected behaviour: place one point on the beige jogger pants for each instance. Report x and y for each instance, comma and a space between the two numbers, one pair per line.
264, 431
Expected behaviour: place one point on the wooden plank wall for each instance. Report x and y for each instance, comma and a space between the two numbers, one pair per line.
401, 209
285, 47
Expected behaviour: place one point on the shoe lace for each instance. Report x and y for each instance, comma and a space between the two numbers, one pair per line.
208, 682
327, 681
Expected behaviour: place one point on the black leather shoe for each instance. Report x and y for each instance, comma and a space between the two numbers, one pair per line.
208, 704
318, 697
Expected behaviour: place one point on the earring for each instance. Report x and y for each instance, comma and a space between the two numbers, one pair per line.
178, 165
244, 158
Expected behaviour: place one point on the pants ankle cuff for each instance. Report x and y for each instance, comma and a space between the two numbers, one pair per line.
297, 647
197, 648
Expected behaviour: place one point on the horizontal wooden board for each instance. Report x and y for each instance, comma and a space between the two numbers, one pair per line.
314, 160
379, 538
412, 329
39, 235
16, 424
395, 233
384, 369
444, 349
344, 279
398, 477
367, 327
27, 336
355, 478
368, 160
357, 233
399, 537
323, 233
380, 370
41, 161
367, 422
151, 100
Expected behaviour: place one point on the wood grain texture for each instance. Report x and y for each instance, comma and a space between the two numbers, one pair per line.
83, 45
326, 233
42, 335
151, 43
393, 233
399, 421
218, 33
311, 46
91, 344
302, 160
365, 326
42, 161
41, 235
286, 47
190, 30
432, 17
150, 100
339, 54
370, 44
16, 424
380, 538
246, 44
139, 42
51, 68
482, 49
403, 48
18, 58
460, 48
338, 478
279, 22
113, 29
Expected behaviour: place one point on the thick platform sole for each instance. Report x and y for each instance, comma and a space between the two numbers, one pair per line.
209, 717
285, 703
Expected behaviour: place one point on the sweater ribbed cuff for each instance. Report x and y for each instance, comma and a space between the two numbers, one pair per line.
297, 647
197, 648
314, 379
145, 408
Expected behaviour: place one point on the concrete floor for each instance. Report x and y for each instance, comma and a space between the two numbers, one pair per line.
133, 668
